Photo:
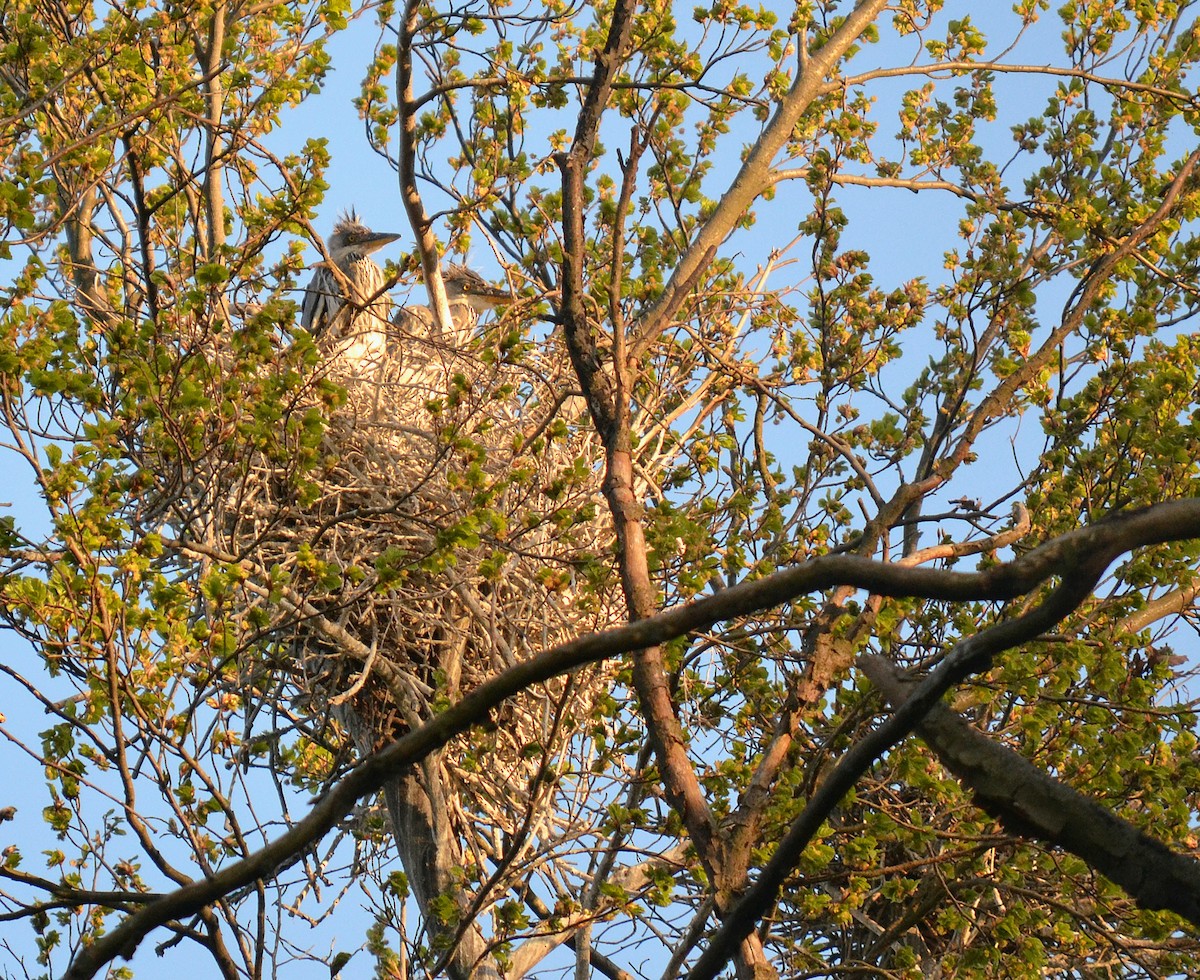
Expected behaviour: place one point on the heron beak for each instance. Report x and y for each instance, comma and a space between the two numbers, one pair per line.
481, 300
374, 241
491, 293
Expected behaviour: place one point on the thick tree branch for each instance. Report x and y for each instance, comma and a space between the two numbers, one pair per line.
1081, 561
578, 329
608, 402
1034, 804
754, 176
214, 198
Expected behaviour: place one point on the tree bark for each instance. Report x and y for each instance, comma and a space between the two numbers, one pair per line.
1034, 804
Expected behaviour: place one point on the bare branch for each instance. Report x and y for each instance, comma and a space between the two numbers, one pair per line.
1053, 71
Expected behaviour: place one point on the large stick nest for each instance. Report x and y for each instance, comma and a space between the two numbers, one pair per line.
452, 528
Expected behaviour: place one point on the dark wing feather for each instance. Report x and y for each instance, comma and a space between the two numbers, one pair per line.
321, 303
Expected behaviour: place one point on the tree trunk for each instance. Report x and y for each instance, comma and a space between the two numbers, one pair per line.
429, 851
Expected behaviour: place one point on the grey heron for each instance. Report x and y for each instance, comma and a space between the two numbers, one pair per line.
468, 295
351, 319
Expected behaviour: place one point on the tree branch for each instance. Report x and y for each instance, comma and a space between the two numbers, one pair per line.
424, 239
1081, 557
1171, 604
1033, 803
1180, 99
755, 174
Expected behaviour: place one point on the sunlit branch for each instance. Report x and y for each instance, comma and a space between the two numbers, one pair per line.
1175, 602
414, 206
915, 185
754, 176
1053, 71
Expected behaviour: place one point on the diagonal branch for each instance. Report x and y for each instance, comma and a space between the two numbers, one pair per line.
414, 207
1035, 804
1172, 603
1087, 290
755, 175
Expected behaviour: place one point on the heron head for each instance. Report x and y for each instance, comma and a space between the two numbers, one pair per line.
351, 237
470, 287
